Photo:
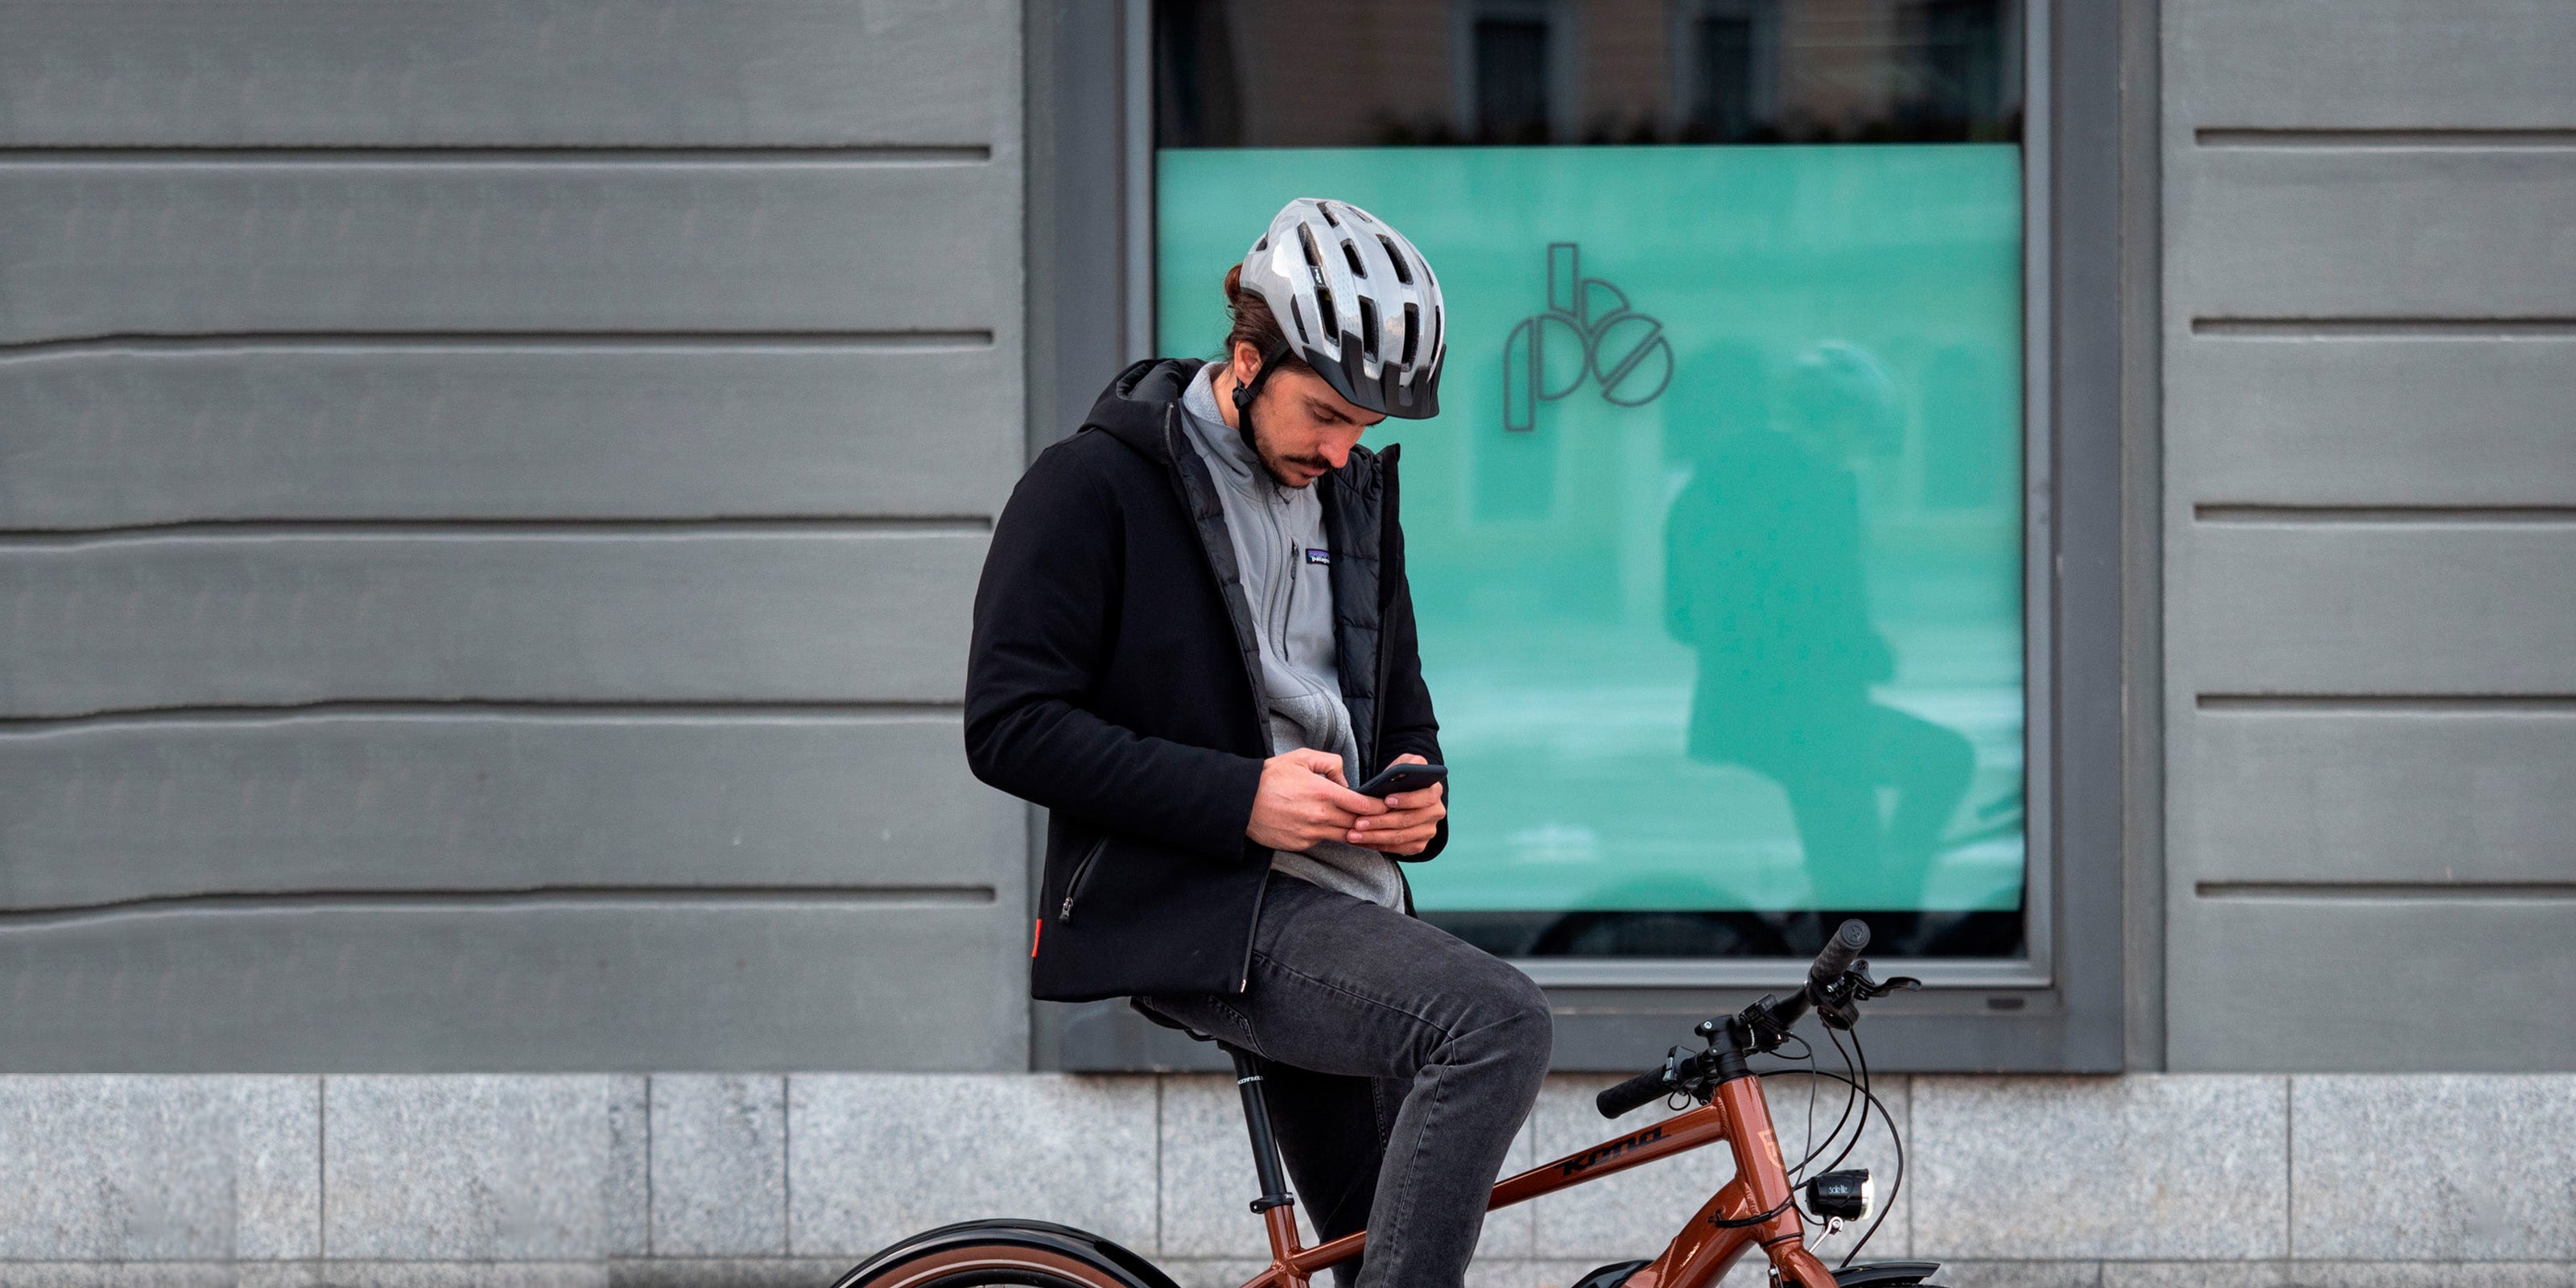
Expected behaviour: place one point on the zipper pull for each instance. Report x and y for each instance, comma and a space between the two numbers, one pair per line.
1066, 912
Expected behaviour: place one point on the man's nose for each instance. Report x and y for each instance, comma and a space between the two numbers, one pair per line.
1337, 453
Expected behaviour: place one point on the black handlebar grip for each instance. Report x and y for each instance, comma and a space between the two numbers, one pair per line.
1636, 1093
1839, 953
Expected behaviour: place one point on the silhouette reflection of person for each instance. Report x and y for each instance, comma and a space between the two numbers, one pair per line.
1763, 578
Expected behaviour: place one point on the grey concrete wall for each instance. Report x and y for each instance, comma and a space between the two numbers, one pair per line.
2370, 514
488, 504
2262, 1180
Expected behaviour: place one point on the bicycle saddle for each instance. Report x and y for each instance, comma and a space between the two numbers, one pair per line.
1137, 1004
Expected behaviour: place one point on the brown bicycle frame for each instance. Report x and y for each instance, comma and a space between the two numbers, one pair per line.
1735, 1113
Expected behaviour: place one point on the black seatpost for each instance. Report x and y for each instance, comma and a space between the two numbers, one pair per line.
1256, 1118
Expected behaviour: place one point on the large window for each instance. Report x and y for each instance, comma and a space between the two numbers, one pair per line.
1718, 545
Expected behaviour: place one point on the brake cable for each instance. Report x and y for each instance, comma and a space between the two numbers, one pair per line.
1896, 1186
1863, 1084
1724, 1223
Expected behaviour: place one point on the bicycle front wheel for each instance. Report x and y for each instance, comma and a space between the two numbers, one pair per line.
993, 1263
1023, 1254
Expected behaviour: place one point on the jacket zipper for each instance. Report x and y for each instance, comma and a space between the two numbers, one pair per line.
1386, 605
1243, 982
1073, 888
1173, 447
1386, 521
1283, 599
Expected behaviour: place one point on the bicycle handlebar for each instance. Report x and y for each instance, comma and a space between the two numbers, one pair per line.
1832, 960
1839, 953
1636, 1093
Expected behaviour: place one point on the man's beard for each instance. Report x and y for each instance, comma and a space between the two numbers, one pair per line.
1315, 463
1275, 464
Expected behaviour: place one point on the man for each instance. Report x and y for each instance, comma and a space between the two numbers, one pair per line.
1193, 636
1763, 576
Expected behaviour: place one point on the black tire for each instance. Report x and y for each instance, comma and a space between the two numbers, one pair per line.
977, 1265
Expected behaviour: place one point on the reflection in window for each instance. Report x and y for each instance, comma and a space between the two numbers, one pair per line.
1194, 79
1963, 77
1716, 545
1732, 73
1398, 72
1511, 79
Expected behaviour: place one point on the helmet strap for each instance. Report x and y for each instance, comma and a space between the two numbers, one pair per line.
1246, 391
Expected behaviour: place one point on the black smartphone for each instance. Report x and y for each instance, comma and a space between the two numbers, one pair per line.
1407, 777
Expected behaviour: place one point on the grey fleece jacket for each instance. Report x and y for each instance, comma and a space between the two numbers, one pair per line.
1281, 553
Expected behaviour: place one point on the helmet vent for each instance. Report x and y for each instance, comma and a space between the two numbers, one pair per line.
1354, 299
1403, 273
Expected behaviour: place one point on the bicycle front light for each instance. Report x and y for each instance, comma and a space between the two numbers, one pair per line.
1844, 1195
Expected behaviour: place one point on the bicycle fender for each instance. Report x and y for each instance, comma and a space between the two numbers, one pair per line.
1885, 1274
1104, 1254
1612, 1275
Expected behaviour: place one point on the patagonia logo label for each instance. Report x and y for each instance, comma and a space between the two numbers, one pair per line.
1319, 557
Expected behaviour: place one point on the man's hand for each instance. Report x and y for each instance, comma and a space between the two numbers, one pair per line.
1409, 821
1303, 799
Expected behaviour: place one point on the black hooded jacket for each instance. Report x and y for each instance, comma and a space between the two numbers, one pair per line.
1112, 679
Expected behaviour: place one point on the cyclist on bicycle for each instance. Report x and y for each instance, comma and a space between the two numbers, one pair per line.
1192, 637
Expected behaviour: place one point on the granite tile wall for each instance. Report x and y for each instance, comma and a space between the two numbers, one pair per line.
710, 1181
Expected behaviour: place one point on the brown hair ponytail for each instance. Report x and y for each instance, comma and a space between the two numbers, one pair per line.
1253, 322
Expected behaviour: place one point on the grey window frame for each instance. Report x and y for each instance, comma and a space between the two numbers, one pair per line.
2059, 1009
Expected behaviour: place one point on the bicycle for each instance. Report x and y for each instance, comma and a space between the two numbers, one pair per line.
1758, 1206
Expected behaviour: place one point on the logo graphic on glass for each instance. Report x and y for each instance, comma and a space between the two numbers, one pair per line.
1597, 337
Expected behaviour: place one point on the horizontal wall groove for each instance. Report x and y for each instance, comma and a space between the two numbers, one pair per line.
2415, 890
486, 529
530, 897
2300, 138
2385, 328
2538, 704
485, 709
474, 154
147, 342
2270, 513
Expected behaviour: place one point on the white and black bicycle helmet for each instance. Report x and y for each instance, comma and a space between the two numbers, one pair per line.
1358, 303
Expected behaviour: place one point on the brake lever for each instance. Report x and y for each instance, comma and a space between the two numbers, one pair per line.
1840, 1006
1866, 989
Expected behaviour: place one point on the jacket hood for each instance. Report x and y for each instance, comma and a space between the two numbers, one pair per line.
1131, 409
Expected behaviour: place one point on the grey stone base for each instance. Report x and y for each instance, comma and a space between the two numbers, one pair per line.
788, 1272
2234, 1181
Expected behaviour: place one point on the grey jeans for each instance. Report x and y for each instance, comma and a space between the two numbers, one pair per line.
1401, 1062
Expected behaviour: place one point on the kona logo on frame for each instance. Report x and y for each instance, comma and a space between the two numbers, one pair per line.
1603, 1153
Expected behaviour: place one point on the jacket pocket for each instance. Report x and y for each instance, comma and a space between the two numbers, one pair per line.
1081, 871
